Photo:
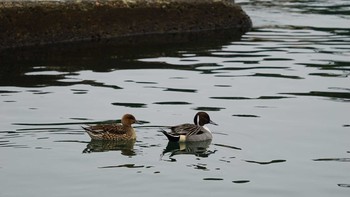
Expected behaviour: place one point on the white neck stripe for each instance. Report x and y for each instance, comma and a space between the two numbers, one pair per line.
206, 128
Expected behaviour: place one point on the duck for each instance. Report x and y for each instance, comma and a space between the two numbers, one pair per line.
191, 132
123, 131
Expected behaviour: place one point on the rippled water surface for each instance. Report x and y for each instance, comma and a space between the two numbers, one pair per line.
279, 93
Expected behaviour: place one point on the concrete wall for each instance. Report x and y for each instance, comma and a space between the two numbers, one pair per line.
24, 23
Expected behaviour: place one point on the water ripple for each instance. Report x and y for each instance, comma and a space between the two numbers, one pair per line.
228, 146
246, 115
125, 166
208, 108
181, 90
333, 159
213, 179
132, 105
342, 96
172, 103
248, 98
46, 92
241, 181
344, 185
266, 162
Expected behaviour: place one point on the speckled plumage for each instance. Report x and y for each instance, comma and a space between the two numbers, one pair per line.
123, 131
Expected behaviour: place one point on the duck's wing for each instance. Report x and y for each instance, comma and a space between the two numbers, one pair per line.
186, 129
106, 128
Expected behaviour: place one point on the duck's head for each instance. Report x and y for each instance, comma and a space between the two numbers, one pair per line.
202, 118
128, 120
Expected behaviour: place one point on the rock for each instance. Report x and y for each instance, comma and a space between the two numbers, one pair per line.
27, 23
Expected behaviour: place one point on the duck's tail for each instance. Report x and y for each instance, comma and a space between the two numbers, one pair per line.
91, 133
172, 138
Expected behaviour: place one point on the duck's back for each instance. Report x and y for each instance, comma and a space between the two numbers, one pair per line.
184, 129
111, 132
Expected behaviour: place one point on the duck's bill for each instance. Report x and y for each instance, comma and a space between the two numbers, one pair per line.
212, 122
138, 122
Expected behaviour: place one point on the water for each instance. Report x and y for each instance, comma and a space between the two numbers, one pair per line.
280, 95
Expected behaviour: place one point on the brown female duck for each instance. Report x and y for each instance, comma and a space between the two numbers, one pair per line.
123, 131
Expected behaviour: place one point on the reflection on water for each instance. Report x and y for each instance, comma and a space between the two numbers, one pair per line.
136, 105
228, 146
280, 94
241, 181
199, 149
334, 159
126, 166
266, 162
342, 96
58, 65
126, 146
344, 185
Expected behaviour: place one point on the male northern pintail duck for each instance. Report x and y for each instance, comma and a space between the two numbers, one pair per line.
123, 131
191, 132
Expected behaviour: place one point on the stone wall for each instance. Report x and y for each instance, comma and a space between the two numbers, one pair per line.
24, 23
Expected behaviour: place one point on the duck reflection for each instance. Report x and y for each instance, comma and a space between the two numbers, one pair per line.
125, 146
199, 149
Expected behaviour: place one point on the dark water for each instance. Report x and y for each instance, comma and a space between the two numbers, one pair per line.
280, 95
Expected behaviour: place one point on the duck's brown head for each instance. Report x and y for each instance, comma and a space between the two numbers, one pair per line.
128, 120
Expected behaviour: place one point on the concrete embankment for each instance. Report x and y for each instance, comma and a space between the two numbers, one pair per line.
26, 23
